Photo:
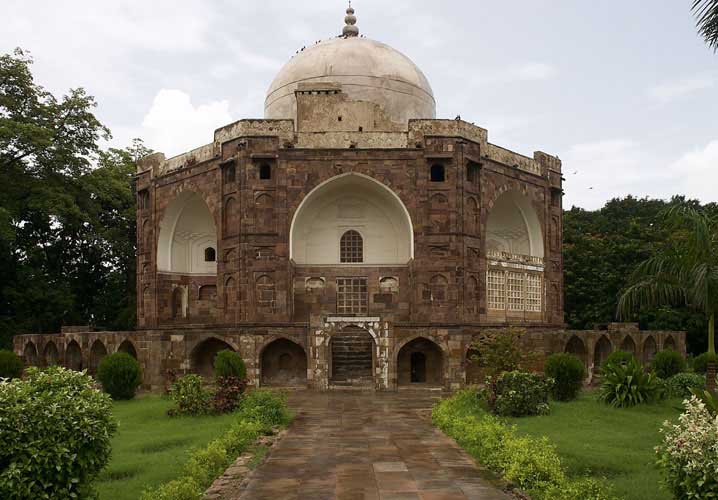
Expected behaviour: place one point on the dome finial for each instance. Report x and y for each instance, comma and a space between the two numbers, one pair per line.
350, 29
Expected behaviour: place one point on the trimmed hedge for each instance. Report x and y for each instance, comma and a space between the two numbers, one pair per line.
229, 364
120, 375
56, 429
258, 412
518, 394
680, 385
667, 363
700, 362
568, 374
10, 364
532, 464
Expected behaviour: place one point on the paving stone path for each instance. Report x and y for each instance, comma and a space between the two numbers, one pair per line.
366, 446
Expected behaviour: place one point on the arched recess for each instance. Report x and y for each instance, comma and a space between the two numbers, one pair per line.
128, 347
601, 351
187, 229
30, 354
202, 356
97, 352
51, 355
283, 363
73, 356
351, 201
669, 343
514, 227
576, 347
420, 361
352, 355
628, 345
649, 349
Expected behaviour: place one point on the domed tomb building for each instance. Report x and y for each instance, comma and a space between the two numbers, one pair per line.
347, 238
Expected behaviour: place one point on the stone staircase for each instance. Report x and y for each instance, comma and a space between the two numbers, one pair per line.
352, 358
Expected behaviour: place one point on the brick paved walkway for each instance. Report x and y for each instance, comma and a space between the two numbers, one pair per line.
365, 445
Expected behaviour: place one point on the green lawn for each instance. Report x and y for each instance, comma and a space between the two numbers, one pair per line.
150, 447
593, 438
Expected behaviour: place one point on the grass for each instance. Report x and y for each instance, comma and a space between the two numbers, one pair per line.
596, 439
150, 448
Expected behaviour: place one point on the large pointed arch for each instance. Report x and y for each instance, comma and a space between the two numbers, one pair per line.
283, 362
204, 353
513, 226
50, 354
97, 352
73, 356
30, 354
351, 201
127, 347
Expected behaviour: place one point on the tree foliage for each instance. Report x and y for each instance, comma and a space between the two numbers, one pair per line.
67, 210
706, 12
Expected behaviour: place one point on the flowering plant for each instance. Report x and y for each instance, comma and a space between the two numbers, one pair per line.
688, 455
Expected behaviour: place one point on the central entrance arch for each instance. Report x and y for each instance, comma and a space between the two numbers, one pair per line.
352, 356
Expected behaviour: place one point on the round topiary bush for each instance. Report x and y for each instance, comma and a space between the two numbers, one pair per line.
568, 373
619, 358
668, 363
56, 429
10, 364
700, 362
120, 375
229, 364
681, 384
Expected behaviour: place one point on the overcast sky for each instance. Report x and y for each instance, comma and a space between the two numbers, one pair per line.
625, 93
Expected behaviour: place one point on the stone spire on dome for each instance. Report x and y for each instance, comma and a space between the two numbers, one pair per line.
350, 28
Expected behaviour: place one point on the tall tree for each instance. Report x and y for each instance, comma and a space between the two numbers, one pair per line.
684, 271
706, 12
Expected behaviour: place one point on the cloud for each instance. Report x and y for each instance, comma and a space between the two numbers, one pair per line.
675, 89
697, 172
174, 125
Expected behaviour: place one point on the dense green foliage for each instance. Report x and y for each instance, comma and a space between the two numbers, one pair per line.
10, 364
498, 351
667, 363
700, 362
568, 373
67, 211
602, 248
229, 364
619, 358
189, 395
227, 394
624, 385
532, 463
681, 384
56, 429
258, 413
120, 375
517, 394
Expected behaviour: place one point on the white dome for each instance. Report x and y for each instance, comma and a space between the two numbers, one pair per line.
367, 70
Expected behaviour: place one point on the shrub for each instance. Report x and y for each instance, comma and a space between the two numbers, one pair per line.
500, 351
56, 429
619, 358
120, 375
668, 363
229, 364
264, 406
628, 385
688, 455
700, 362
10, 364
532, 463
227, 394
680, 385
189, 396
518, 394
568, 373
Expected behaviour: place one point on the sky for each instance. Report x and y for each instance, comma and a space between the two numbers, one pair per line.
624, 94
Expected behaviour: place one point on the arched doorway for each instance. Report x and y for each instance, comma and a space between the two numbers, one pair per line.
202, 357
576, 347
284, 363
97, 352
352, 351
601, 351
628, 345
51, 354
649, 350
420, 362
128, 347
30, 354
73, 356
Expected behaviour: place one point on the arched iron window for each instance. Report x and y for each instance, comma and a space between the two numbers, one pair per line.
351, 247
210, 254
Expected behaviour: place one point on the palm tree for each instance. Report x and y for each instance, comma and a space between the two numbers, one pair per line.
683, 272
706, 12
